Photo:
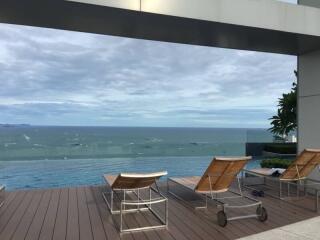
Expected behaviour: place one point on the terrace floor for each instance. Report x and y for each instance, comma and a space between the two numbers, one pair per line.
80, 213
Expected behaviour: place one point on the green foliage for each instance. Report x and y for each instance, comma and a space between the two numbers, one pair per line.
281, 148
276, 163
286, 119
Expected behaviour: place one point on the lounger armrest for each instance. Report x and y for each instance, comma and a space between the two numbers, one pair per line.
144, 175
233, 158
312, 150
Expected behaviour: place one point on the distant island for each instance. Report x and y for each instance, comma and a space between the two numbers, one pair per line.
14, 125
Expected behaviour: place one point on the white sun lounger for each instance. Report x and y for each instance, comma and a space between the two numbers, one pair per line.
140, 188
295, 176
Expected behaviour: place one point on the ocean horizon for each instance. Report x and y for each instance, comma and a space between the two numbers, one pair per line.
24, 142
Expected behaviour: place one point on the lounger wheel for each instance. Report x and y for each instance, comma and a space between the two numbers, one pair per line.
262, 214
222, 218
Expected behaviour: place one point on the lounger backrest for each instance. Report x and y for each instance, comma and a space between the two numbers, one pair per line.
134, 181
308, 160
220, 174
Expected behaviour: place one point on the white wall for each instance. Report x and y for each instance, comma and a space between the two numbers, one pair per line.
309, 103
312, 3
268, 14
125, 4
309, 98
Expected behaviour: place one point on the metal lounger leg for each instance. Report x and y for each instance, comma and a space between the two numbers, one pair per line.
203, 196
121, 218
111, 203
123, 209
124, 198
239, 186
150, 197
317, 200
112, 200
2, 195
138, 199
164, 222
167, 213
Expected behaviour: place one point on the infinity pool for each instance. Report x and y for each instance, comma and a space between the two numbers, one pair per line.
61, 173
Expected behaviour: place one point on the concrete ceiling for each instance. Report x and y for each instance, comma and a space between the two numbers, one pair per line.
266, 26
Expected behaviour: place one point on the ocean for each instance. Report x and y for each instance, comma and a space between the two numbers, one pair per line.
45, 157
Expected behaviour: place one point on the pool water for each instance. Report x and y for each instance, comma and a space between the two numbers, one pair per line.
76, 172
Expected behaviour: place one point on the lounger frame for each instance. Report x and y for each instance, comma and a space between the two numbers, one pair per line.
217, 179
2, 195
296, 175
212, 195
141, 203
308, 186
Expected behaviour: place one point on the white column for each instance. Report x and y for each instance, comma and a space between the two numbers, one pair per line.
309, 98
311, 3
309, 103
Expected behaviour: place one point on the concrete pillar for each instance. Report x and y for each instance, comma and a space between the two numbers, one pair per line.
309, 103
309, 98
311, 3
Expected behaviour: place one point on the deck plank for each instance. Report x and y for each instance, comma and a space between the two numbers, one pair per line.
84, 218
22, 229
9, 211
96, 223
106, 218
36, 225
10, 196
60, 228
81, 214
50, 218
73, 217
14, 221
199, 225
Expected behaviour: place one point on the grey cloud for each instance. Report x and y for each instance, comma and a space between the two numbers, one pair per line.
105, 80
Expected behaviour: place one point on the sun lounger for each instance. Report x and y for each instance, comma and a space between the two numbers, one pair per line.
217, 180
135, 193
294, 177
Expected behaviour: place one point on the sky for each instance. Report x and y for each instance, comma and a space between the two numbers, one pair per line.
55, 77
289, 1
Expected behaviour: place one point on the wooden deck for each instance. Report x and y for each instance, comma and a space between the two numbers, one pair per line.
80, 213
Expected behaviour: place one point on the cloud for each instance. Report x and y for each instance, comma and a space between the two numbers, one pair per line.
68, 78
289, 1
